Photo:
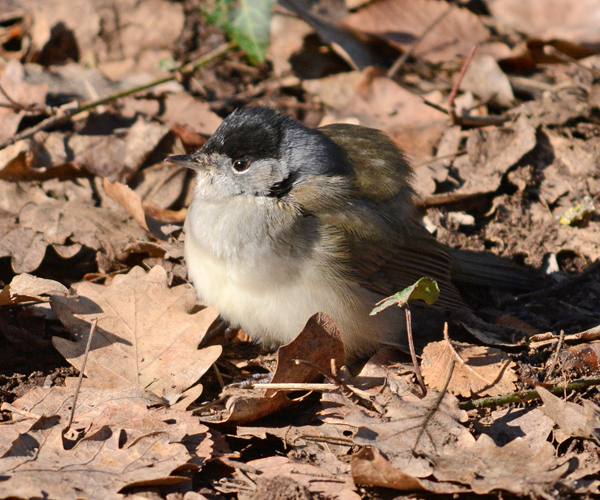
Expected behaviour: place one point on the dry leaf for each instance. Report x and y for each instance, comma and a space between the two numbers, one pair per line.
530, 424
25, 246
574, 21
581, 357
575, 420
491, 152
145, 335
402, 22
478, 370
318, 481
175, 109
72, 222
125, 407
379, 102
91, 402
103, 462
487, 81
515, 467
25, 288
410, 427
370, 468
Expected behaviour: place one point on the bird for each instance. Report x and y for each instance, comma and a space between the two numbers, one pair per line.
287, 221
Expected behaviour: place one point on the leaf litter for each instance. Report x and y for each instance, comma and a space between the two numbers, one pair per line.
501, 157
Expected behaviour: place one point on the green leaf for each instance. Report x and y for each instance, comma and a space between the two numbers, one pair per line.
168, 64
425, 289
248, 23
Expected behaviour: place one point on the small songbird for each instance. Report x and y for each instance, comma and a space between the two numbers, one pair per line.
288, 221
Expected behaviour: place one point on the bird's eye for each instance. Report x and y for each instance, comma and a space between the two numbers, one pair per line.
241, 165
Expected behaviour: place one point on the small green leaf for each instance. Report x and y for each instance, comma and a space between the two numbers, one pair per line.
168, 64
248, 23
425, 289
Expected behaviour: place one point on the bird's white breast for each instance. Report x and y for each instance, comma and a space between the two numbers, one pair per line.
271, 294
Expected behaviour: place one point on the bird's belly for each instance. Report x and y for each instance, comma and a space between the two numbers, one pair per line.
271, 304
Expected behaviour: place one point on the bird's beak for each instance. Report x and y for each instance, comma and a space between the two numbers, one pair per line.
185, 161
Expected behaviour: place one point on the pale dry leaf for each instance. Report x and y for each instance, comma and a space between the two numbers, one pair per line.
529, 424
175, 108
115, 155
146, 333
125, 407
478, 370
402, 22
318, 481
141, 213
575, 420
66, 223
15, 195
514, 468
25, 246
487, 81
491, 152
410, 427
574, 21
379, 102
83, 22
182, 108
91, 402
152, 25
371, 468
287, 38
25, 288
38, 465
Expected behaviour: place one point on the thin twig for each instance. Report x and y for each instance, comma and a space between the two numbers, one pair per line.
413, 354
460, 152
71, 109
554, 362
523, 397
404, 57
461, 75
82, 370
218, 375
234, 464
17, 106
294, 386
354, 394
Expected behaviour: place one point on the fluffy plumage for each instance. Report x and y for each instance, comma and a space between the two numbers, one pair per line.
307, 227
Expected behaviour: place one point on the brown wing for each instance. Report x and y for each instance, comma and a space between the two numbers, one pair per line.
388, 267
392, 251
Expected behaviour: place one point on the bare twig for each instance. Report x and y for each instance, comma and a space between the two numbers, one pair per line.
218, 375
234, 464
81, 371
413, 354
460, 152
461, 75
66, 112
554, 362
354, 394
404, 57
522, 397
32, 108
294, 386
